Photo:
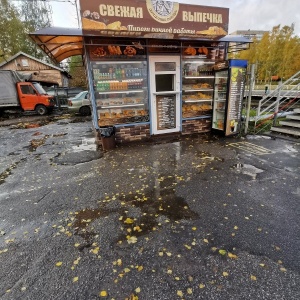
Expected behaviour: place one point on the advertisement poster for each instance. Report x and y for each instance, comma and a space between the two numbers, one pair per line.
153, 19
236, 92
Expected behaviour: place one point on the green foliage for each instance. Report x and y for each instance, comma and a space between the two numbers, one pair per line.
276, 54
16, 23
77, 71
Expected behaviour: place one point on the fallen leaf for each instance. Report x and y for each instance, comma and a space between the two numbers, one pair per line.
58, 264
189, 291
180, 293
75, 279
225, 274
222, 252
140, 268
138, 290
205, 240
128, 221
231, 255
253, 277
132, 240
201, 286
103, 294
283, 269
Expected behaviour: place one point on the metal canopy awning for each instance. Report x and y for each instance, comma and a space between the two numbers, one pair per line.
59, 43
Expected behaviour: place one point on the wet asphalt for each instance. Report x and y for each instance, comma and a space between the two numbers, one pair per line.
198, 218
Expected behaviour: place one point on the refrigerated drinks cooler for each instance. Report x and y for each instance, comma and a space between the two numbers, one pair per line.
228, 97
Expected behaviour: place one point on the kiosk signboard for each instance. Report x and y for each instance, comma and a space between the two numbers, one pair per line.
153, 19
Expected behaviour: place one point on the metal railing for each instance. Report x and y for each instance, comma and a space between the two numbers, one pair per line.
277, 102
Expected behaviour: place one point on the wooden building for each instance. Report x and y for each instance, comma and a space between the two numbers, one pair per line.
43, 72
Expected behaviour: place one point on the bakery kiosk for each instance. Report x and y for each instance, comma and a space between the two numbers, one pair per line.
151, 65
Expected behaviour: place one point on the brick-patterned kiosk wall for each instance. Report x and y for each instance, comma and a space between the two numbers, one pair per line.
196, 126
132, 133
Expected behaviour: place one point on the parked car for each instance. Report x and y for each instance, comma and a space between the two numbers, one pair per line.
80, 104
62, 94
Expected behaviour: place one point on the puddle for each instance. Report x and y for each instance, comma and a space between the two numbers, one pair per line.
248, 170
153, 207
87, 144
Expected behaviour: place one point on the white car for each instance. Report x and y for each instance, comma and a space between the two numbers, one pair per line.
80, 104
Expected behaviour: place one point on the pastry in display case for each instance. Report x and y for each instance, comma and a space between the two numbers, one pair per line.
197, 88
121, 92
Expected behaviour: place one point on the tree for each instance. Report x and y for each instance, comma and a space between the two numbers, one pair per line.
77, 71
16, 23
276, 54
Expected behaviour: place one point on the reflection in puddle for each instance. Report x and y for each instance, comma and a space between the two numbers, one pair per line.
142, 212
87, 144
248, 170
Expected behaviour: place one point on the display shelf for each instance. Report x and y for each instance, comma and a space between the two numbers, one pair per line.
197, 90
198, 77
121, 91
121, 106
196, 101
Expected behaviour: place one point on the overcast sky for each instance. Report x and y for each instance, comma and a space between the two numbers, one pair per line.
243, 14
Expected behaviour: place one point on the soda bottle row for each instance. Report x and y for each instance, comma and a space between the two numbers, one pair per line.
119, 73
103, 86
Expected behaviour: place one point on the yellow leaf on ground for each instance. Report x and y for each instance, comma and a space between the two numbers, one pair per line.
103, 294
283, 269
128, 221
222, 252
201, 286
126, 270
132, 240
138, 290
58, 264
253, 277
225, 274
189, 291
231, 255
194, 228
75, 279
180, 293
205, 240
140, 268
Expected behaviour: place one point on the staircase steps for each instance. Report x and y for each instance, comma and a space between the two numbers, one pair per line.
290, 125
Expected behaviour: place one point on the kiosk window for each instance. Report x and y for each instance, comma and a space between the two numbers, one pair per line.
164, 82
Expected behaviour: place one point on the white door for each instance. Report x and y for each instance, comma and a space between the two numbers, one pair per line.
165, 94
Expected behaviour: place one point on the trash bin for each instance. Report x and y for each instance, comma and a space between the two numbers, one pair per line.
108, 137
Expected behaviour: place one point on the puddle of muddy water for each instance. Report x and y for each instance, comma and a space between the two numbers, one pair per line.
247, 169
152, 205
